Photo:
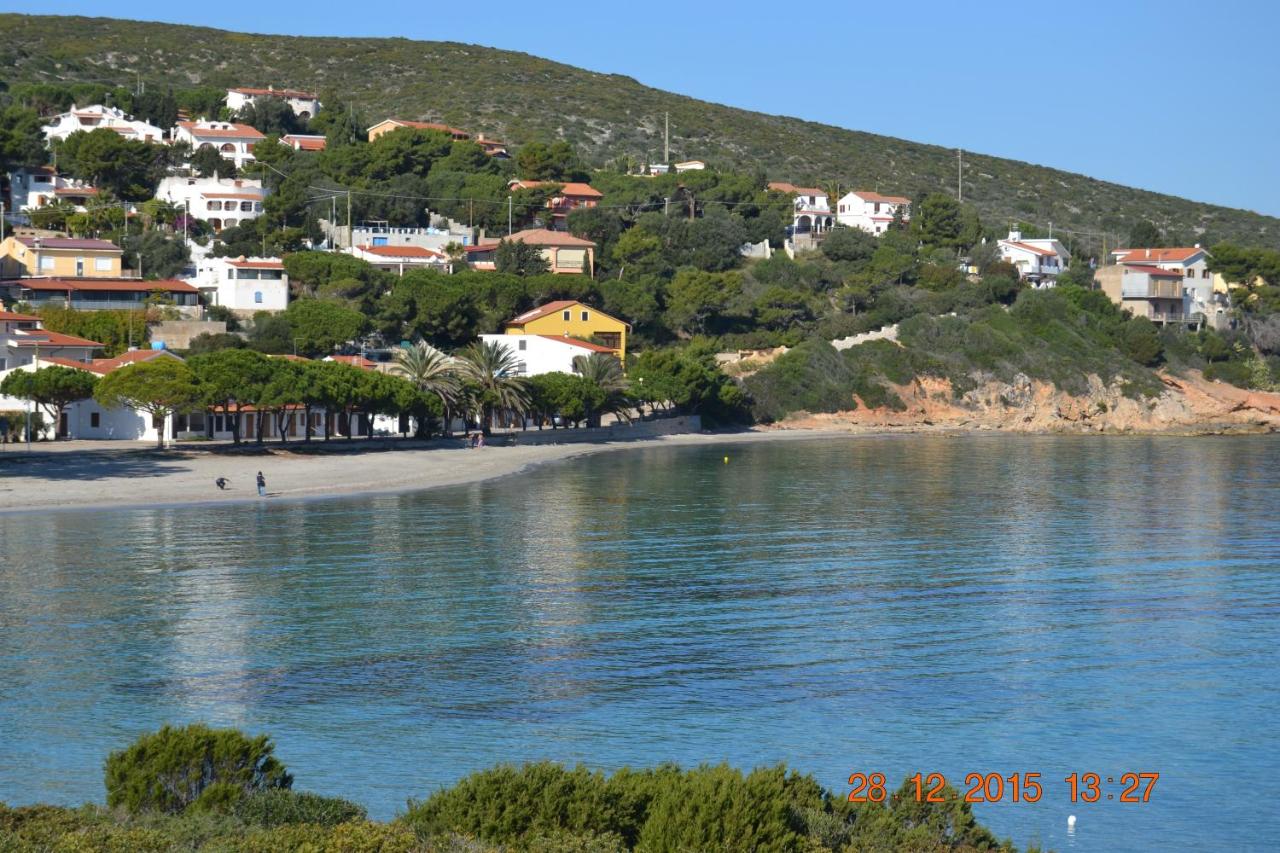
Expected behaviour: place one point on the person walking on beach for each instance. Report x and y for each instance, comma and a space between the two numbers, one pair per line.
262, 485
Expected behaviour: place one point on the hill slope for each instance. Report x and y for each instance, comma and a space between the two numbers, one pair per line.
521, 97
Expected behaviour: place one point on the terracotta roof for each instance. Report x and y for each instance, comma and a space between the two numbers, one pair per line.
304, 142
784, 187
1152, 271
578, 343
401, 251
257, 265
281, 93
576, 188
232, 131
45, 338
75, 191
129, 285
1027, 247
66, 362
246, 196
11, 317
867, 195
1158, 256
65, 243
424, 125
539, 237
543, 311
106, 365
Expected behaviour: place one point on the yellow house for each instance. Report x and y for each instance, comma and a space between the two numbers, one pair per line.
564, 253
568, 317
59, 257
388, 125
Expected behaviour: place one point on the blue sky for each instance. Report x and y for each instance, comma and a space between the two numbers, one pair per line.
1173, 96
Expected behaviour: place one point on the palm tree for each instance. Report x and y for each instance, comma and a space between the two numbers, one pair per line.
605, 372
493, 369
432, 372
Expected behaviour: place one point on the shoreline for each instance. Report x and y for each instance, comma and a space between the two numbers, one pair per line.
88, 479
73, 480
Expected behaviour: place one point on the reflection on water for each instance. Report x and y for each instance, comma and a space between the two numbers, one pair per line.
1007, 604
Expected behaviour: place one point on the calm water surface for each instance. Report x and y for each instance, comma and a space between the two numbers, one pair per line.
990, 604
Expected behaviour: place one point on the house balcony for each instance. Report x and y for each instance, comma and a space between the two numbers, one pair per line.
1151, 289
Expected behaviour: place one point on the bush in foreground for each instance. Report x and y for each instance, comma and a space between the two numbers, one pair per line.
194, 766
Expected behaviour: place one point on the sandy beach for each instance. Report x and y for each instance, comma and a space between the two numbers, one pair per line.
87, 475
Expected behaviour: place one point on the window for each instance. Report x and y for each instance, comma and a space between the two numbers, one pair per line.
584, 316
1191, 273
95, 420
79, 267
568, 314
214, 205
102, 264
1204, 273
231, 273
246, 206
228, 148
46, 262
522, 345
257, 296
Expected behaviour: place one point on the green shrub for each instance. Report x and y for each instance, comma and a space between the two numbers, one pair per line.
177, 768
1238, 373
1140, 341
279, 806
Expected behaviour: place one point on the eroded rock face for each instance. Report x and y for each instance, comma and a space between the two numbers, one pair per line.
1188, 404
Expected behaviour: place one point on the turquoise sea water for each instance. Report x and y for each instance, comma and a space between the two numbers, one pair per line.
901, 604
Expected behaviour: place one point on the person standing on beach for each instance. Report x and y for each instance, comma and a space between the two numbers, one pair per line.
262, 485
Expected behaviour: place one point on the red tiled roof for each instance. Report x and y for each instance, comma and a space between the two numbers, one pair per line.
867, 195
425, 125
1035, 250
246, 196
235, 131
401, 251
75, 191
578, 343
65, 243
1153, 271
573, 188
281, 93
11, 317
543, 311
66, 362
784, 187
106, 365
44, 338
538, 237
304, 142
1157, 256
126, 285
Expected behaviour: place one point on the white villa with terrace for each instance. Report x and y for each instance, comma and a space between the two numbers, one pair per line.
222, 202
871, 211
244, 285
400, 259
1191, 264
538, 354
811, 213
34, 187
304, 104
96, 116
1040, 260
233, 141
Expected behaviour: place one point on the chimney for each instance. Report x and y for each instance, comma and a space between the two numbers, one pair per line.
1197, 245
1015, 235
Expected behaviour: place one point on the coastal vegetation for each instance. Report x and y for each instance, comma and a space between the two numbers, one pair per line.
523, 99
198, 788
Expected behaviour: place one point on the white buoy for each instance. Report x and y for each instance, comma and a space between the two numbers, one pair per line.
1071, 821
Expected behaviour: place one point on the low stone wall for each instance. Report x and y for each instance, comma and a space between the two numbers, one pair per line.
177, 334
614, 432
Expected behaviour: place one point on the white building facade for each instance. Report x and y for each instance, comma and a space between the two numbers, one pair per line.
304, 104
222, 202
33, 187
871, 211
538, 354
233, 141
244, 285
23, 339
1040, 260
811, 208
96, 116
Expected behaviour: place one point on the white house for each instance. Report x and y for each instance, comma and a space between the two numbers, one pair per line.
222, 202
33, 187
1192, 266
96, 116
538, 354
811, 213
233, 141
23, 338
244, 285
870, 211
399, 259
304, 104
1039, 260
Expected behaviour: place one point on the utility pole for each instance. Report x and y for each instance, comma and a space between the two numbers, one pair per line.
350, 238
666, 205
1, 221
691, 206
960, 174
510, 204
666, 138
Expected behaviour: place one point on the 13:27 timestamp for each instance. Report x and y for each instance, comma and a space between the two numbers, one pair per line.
1011, 788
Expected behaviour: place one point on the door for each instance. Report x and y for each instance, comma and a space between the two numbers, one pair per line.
62, 425
79, 267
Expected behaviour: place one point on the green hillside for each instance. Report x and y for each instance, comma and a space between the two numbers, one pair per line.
519, 98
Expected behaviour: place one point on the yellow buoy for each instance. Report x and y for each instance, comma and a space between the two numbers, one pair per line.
726, 460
